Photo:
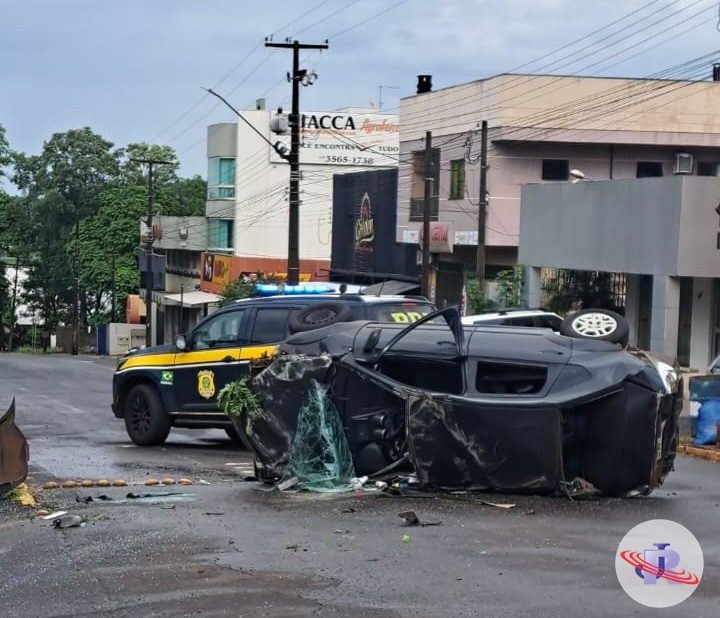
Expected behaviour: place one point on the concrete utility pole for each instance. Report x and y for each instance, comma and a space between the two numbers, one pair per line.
74, 348
426, 274
149, 245
482, 214
298, 76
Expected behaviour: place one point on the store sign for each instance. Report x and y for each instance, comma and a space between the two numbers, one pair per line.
334, 138
216, 268
442, 236
364, 227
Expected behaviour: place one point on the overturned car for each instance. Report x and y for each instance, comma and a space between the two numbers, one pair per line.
482, 408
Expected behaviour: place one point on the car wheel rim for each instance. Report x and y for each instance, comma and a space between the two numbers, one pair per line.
320, 317
139, 415
594, 325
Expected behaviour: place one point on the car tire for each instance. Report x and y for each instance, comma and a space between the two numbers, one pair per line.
317, 316
146, 421
598, 324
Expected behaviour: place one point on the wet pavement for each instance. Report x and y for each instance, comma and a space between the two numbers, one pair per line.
229, 549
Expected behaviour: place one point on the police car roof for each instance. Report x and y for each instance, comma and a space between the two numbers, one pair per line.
336, 296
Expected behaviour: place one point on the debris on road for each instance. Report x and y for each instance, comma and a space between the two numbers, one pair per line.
406, 538
14, 452
54, 515
499, 505
411, 519
68, 521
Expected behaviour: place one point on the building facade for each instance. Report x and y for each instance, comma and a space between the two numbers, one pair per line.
540, 129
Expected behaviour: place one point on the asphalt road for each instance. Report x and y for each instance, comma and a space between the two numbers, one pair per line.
229, 549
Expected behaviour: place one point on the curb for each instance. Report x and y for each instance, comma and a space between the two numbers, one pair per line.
709, 453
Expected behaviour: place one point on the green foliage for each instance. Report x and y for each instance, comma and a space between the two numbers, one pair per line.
185, 197
133, 172
235, 398
476, 298
568, 290
509, 284
235, 290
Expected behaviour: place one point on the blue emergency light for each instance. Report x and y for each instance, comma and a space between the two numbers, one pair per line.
273, 289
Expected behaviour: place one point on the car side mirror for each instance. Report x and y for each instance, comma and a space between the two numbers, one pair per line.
181, 343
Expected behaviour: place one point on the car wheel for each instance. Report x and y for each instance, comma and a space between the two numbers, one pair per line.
600, 324
317, 316
146, 421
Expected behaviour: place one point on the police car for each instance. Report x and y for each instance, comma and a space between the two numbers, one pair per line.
176, 385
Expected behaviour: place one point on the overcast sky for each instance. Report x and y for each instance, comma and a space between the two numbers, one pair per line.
132, 70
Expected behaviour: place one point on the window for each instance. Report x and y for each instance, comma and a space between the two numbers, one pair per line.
457, 179
220, 233
270, 325
221, 178
417, 188
649, 169
555, 169
705, 168
509, 379
223, 330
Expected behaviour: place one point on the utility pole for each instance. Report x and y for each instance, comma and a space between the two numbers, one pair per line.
149, 245
76, 292
298, 76
112, 287
12, 305
482, 214
426, 292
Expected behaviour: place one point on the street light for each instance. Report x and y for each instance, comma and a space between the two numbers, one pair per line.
579, 175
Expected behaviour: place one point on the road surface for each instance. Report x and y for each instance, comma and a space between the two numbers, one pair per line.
230, 549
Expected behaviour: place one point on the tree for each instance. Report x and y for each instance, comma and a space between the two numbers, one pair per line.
133, 172
60, 187
109, 246
183, 198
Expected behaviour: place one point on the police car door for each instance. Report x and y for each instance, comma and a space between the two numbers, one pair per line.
213, 358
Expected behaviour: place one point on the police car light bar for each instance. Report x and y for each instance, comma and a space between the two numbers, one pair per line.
272, 289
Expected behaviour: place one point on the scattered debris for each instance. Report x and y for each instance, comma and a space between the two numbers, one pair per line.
55, 515
348, 509
406, 538
42, 512
204, 482
288, 483
51, 485
498, 505
14, 452
68, 521
214, 513
411, 519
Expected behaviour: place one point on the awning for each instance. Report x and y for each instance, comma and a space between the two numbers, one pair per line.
390, 288
192, 299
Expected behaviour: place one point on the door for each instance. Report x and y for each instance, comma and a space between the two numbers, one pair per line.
214, 358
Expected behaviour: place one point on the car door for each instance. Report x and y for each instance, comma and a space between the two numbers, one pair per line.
270, 325
215, 356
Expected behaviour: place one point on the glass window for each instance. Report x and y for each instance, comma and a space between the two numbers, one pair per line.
221, 178
220, 233
223, 330
270, 325
649, 169
457, 179
548, 321
705, 168
555, 169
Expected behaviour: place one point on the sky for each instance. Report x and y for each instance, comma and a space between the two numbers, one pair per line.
134, 70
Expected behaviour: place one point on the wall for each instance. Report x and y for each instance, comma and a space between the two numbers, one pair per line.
124, 337
188, 233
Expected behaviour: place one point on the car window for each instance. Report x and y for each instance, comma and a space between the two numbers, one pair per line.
401, 312
270, 326
548, 321
219, 331
522, 321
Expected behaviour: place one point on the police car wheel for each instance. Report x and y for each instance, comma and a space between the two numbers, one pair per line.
146, 421
318, 316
